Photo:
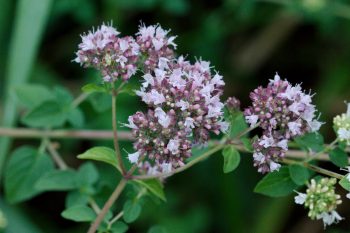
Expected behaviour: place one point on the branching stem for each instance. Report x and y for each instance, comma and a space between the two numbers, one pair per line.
118, 190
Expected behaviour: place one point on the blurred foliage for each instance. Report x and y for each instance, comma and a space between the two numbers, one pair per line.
246, 40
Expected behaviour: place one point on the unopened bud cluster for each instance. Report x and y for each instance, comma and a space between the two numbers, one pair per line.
233, 104
321, 197
283, 112
321, 200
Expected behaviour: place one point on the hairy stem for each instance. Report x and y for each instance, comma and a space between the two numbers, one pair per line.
180, 169
323, 171
120, 187
59, 134
115, 132
314, 168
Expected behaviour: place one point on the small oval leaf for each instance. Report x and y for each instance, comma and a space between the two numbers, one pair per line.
154, 186
132, 211
103, 154
232, 158
345, 183
298, 173
92, 87
57, 180
79, 213
339, 157
276, 184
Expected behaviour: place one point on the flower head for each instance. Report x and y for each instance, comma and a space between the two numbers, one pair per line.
283, 112
321, 200
233, 104
155, 45
184, 107
113, 56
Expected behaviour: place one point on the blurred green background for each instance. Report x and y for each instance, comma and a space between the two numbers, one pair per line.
247, 41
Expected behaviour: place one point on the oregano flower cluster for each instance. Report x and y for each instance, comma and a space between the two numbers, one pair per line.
119, 57
183, 99
184, 108
283, 112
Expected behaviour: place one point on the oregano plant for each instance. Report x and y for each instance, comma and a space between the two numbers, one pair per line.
184, 122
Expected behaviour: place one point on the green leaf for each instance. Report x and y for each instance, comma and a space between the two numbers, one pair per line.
93, 88
87, 175
313, 141
132, 211
47, 114
100, 102
57, 180
232, 158
24, 168
154, 186
100, 153
276, 184
63, 97
32, 95
247, 143
157, 229
342, 145
339, 157
345, 183
238, 124
75, 197
79, 213
76, 118
299, 174
119, 227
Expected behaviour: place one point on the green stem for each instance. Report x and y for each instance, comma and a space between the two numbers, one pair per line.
314, 168
326, 149
116, 218
180, 169
323, 171
60, 133
79, 100
212, 151
121, 213
94, 206
115, 132
56, 157
43, 145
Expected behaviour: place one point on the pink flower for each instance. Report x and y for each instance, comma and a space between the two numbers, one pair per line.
173, 146
163, 118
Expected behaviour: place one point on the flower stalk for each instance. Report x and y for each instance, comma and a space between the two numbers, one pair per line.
115, 131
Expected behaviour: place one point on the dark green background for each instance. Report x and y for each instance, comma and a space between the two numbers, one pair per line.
247, 41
